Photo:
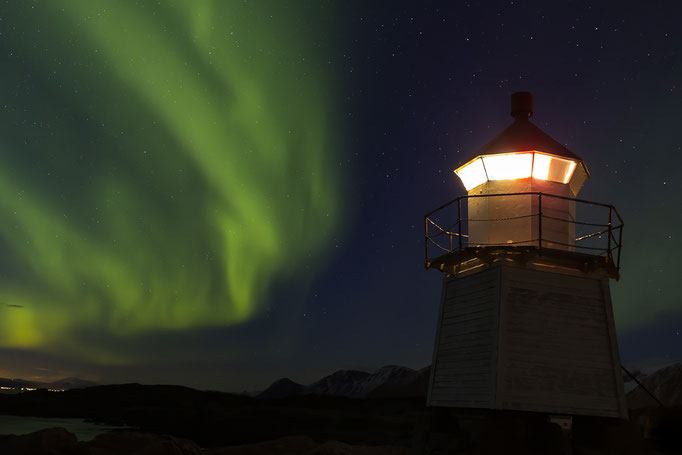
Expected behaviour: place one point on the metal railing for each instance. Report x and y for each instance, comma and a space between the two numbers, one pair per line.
590, 227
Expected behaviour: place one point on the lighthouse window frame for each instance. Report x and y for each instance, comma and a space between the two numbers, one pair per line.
508, 166
552, 168
515, 166
472, 174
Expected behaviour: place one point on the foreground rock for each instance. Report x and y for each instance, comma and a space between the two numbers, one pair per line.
214, 419
50, 441
135, 443
302, 445
58, 441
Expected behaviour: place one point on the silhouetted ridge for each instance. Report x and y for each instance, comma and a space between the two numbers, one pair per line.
387, 381
284, 387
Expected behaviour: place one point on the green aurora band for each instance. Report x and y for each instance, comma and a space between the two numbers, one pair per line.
162, 167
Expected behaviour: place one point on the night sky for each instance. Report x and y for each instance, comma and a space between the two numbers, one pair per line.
219, 194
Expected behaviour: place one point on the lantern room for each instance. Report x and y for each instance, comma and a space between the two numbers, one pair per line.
520, 161
523, 151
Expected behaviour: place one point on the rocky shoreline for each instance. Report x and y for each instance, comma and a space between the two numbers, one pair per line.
58, 441
179, 420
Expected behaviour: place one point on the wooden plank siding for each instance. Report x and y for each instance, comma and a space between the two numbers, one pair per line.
515, 338
465, 352
557, 348
615, 354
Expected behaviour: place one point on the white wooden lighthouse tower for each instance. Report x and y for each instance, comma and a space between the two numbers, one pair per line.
525, 321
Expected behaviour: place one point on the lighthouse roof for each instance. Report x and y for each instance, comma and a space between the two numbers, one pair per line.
521, 151
524, 135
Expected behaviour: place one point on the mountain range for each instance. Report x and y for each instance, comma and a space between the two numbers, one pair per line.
665, 384
387, 381
398, 381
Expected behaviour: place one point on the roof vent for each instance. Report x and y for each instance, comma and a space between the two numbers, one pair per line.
521, 105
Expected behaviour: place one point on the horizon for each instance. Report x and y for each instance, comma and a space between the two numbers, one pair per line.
646, 369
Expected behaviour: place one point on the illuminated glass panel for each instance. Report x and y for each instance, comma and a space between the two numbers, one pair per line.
509, 166
577, 179
547, 167
512, 166
472, 174
541, 165
569, 172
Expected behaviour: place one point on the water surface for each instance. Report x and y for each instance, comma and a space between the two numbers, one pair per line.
83, 430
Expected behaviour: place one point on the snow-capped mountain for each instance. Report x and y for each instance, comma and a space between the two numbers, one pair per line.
391, 380
284, 387
396, 381
665, 384
345, 383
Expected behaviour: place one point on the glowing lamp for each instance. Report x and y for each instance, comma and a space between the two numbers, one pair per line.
518, 165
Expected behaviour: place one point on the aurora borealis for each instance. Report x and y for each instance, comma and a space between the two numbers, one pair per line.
162, 165
221, 193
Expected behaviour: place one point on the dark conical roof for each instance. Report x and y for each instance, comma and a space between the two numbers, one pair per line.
522, 135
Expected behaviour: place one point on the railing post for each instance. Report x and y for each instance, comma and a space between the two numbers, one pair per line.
459, 222
620, 245
610, 256
540, 220
426, 240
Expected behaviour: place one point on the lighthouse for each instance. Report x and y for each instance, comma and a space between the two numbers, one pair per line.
525, 320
